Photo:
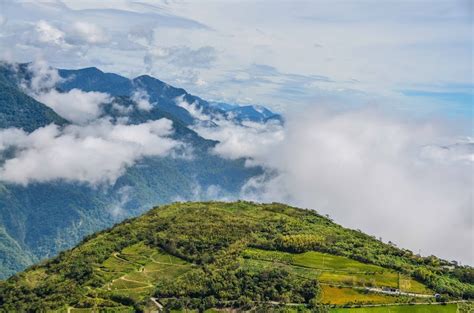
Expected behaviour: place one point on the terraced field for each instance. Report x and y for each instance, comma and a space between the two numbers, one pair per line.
134, 273
424, 308
336, 271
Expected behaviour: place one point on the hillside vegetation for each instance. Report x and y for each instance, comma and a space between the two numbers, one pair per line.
211, 255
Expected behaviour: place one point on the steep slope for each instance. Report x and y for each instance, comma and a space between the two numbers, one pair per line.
20, 110
214, 254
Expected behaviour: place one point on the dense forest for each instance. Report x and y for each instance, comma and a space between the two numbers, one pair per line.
207, 243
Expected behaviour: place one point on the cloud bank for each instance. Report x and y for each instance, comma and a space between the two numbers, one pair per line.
244, 140
406, 181
75, 105
95, 153
92, 149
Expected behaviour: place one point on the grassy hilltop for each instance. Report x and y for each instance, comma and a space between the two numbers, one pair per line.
214, 256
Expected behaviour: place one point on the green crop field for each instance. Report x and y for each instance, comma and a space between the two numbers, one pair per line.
340, 296
424, 308
336, 270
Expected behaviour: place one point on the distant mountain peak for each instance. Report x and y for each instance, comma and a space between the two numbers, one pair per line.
146, 77
91, 69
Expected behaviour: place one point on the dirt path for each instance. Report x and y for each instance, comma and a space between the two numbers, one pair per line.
398, 293
410, 304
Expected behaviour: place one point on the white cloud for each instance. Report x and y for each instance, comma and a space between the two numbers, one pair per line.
123, 110
43, 77
248, 139
182, 64
47, 33
88, 33
75, 105
96, 153
192, 108
118, 210
142, 99
182, 56
372, 172
3, 20
211, 192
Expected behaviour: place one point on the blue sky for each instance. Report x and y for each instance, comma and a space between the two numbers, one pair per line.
410, 54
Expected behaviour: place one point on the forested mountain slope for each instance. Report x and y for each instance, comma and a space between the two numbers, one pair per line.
20, 110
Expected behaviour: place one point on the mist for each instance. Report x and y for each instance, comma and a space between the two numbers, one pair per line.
403, 180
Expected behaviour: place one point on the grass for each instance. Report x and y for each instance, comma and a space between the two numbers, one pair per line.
114, 264
127, 284
424, 308
140, 268
33, 278
340, 296
160, 257
411, 285
319, 260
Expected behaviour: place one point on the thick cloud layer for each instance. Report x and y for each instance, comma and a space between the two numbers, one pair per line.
404, 181
95, 153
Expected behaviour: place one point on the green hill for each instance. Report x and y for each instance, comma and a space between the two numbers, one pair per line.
215, 255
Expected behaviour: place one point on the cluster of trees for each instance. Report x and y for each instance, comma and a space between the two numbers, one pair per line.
217, 287
225, 283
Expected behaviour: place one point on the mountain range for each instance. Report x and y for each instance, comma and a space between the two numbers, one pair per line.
40, 219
